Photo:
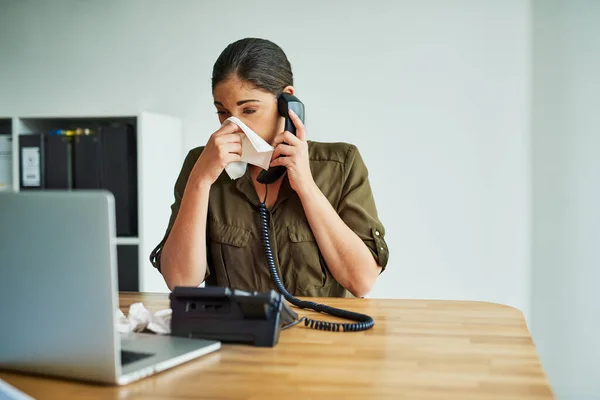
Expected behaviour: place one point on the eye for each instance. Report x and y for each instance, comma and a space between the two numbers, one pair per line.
249, 111
221, 112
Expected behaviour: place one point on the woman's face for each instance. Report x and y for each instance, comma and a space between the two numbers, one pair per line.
255, 107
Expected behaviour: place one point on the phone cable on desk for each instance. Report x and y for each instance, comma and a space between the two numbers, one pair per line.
363, 323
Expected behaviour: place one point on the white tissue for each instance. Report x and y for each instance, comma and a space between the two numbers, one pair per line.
140, 318
255, 151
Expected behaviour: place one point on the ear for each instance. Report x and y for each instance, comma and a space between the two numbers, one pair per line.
289, 90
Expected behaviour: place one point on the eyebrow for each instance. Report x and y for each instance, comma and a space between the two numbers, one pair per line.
239, 103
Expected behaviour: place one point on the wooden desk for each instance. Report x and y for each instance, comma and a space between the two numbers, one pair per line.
417, 350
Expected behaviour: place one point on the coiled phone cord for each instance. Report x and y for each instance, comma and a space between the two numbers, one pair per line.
363, 323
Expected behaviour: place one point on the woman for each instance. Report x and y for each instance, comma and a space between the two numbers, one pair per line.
324, 229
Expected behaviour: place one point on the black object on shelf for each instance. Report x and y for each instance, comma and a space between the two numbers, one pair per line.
87, 159
108, 160
127, 260
45, 162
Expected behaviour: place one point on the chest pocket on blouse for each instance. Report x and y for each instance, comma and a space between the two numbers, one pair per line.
310, 270
232, 256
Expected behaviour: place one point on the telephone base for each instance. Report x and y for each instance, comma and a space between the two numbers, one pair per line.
228, 315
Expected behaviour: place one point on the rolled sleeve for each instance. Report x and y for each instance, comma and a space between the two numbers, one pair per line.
357, 207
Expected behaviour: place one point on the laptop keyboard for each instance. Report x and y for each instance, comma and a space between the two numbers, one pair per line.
127, 357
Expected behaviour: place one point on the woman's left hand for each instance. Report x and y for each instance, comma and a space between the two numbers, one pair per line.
295, 156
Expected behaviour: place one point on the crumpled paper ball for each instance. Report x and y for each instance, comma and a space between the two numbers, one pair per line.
140, 319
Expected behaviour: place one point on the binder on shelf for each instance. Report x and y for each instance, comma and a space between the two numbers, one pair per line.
108, 160
87, 157
119, 174
45, 162
128, 270
5, 161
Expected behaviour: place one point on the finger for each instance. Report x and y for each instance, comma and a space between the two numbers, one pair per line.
287, 138
300, 129
233, 148
283, 150
229, 138
291, 139
283, 161
229, 127
278, 139
232, 157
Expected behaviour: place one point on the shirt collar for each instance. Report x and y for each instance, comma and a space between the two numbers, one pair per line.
245, 186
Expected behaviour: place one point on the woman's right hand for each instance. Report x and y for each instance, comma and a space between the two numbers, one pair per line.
223, 147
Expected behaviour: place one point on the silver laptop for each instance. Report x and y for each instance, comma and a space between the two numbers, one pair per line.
58, 293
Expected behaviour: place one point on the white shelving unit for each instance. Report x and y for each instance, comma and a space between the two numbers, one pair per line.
159, 159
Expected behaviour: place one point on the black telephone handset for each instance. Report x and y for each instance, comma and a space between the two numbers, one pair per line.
285, 102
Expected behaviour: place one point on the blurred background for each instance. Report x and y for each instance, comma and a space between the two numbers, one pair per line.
479, 121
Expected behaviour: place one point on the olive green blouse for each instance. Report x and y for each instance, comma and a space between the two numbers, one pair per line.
235, 252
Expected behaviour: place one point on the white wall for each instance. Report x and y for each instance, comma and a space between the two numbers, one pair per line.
566, 194
434, 93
